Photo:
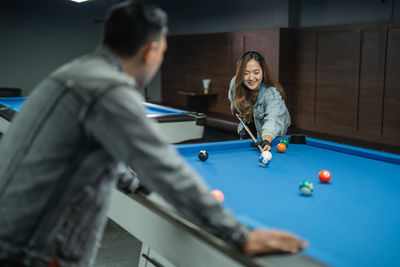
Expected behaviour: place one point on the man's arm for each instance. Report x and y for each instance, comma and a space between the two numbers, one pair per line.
127, 179
119, 123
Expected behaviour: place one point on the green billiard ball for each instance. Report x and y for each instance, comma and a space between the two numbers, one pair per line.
306, 188
285, 141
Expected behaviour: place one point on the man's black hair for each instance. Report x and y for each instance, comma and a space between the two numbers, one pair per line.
128, 26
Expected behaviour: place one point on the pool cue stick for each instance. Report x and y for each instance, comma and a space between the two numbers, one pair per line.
249, 132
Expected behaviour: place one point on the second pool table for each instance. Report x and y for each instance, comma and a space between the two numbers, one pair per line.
175, 124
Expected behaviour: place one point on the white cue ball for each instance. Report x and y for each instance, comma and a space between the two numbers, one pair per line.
267, 154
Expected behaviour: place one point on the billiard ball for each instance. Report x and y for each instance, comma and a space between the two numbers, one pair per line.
203, 155
267, 154
306, 188
324, 176
281, 147
285, 141
264, 162
218, 194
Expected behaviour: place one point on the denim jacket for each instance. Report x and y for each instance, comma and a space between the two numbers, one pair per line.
270, 114
62, 153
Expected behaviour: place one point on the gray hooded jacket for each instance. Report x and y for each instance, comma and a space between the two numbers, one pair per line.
60, 158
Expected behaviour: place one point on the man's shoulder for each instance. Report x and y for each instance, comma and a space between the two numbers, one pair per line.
93, 72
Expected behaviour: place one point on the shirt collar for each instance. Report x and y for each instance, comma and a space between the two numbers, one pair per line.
112, 57
260, 93
115, 60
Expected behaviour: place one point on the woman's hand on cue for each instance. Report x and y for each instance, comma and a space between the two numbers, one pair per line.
267, 140
264, 144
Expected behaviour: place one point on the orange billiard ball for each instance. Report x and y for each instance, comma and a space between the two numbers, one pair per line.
281, 147
218, 194
324, 176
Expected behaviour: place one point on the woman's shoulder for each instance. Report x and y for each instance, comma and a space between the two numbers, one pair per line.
232, 82
231, 85
271, 92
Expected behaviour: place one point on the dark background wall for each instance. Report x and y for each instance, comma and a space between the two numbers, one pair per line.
37, 36
337, 59
208, 16
326, 12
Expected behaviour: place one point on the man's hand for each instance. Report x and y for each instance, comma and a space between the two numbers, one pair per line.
272, 241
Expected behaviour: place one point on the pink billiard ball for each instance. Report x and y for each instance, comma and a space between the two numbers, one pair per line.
218, 194
324, 176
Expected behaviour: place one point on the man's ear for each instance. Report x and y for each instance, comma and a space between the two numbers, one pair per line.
149, 51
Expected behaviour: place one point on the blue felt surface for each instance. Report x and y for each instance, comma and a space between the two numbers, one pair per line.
153, 109
353, 221
15, 103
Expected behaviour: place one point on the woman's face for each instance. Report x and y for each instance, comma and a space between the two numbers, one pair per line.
253, 75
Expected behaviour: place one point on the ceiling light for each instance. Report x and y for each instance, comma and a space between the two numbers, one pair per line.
79, 1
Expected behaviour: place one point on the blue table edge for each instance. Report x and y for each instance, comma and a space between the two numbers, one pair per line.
243, 144
357, 151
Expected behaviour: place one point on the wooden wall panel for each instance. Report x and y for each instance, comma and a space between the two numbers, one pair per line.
266, 42
340, 80
391, 117
304, 88
188, 60
335, 83
174, 63
357, 92
371, 80
237, 50
191, 58
286, 61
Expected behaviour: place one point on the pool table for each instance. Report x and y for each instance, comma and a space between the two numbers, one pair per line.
352, 221
177, 125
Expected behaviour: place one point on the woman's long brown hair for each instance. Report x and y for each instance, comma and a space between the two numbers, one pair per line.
244, 99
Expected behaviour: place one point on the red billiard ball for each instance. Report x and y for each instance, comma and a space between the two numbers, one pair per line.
281, 147
324, 176
218, 194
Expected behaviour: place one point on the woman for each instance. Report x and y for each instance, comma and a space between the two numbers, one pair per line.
259, 99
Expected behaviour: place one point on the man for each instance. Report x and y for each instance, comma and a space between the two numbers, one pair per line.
79, 127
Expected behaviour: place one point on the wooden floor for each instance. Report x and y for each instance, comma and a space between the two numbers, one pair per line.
118, 248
